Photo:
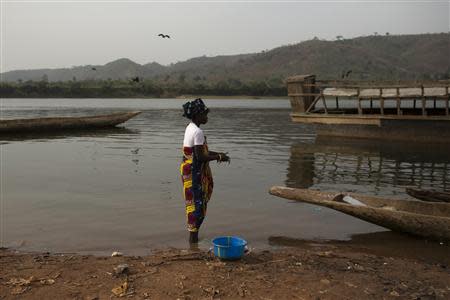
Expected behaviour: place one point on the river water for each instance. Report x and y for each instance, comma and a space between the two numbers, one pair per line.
120, 189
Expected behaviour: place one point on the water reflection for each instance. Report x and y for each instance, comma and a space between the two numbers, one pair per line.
384, 243
77, 133
120, 188
377, 167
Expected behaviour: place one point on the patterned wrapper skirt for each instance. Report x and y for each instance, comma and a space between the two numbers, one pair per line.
197, 187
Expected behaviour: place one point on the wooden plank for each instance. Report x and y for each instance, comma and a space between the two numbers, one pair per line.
424, 113
359, 102
375, 85
428, 195
388, 92
446, 102
340, 92
302, 94
325, 104
381, 102
313, 103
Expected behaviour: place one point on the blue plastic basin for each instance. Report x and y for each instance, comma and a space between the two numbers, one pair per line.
229, 247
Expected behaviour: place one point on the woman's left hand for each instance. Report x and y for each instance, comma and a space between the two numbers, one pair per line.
224, 157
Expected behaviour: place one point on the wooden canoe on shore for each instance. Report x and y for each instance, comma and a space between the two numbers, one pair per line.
65, 123
429, 220
428, 195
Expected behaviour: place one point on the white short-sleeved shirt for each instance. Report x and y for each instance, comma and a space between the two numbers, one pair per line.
193, 136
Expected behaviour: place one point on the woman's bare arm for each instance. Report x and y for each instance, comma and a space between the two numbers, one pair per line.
200, 154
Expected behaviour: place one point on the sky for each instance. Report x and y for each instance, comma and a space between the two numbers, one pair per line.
61, 33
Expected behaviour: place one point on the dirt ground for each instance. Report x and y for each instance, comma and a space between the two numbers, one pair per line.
307, 271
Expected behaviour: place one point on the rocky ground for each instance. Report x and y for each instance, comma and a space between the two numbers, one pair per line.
307, 271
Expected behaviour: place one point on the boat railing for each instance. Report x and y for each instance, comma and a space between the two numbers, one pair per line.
398, 98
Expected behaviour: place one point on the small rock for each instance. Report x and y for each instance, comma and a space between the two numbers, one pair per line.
403, 286
121, 290
121, 269
349, 284
152, 270
47, 281
394, 293
325, 281
116, 253
17, 290
242, 291
325, 253
358, 268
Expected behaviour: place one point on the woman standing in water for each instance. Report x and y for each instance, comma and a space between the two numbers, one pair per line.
195, 172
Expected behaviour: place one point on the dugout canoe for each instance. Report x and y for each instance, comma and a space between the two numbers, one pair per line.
429, 220
65, 123
428, 195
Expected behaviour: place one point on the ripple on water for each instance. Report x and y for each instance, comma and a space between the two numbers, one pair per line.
88, 190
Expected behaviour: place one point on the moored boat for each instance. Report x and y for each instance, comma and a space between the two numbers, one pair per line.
407, 111
428, 195
429, 220
65, 123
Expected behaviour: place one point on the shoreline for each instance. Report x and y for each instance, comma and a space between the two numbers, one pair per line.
181, 97
303, 270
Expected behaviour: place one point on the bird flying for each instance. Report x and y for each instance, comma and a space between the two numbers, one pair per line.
345, 74
164, 36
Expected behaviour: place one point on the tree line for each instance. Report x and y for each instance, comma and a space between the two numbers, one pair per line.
144, 88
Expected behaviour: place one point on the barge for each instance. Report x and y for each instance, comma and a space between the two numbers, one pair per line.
409, 111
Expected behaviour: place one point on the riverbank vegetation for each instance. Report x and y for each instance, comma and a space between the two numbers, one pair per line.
130, 89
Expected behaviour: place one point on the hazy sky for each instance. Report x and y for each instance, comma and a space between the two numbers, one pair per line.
53, 34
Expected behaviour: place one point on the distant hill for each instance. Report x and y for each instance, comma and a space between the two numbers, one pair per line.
390, 57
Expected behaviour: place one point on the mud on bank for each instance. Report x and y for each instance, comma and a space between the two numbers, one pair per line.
307, 271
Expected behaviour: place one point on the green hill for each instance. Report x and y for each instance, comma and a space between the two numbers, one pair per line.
372, 57
388, 57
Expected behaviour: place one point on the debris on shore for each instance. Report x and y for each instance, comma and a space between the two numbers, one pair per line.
322, 272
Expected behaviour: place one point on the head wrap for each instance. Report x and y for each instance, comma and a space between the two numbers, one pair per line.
192, 108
